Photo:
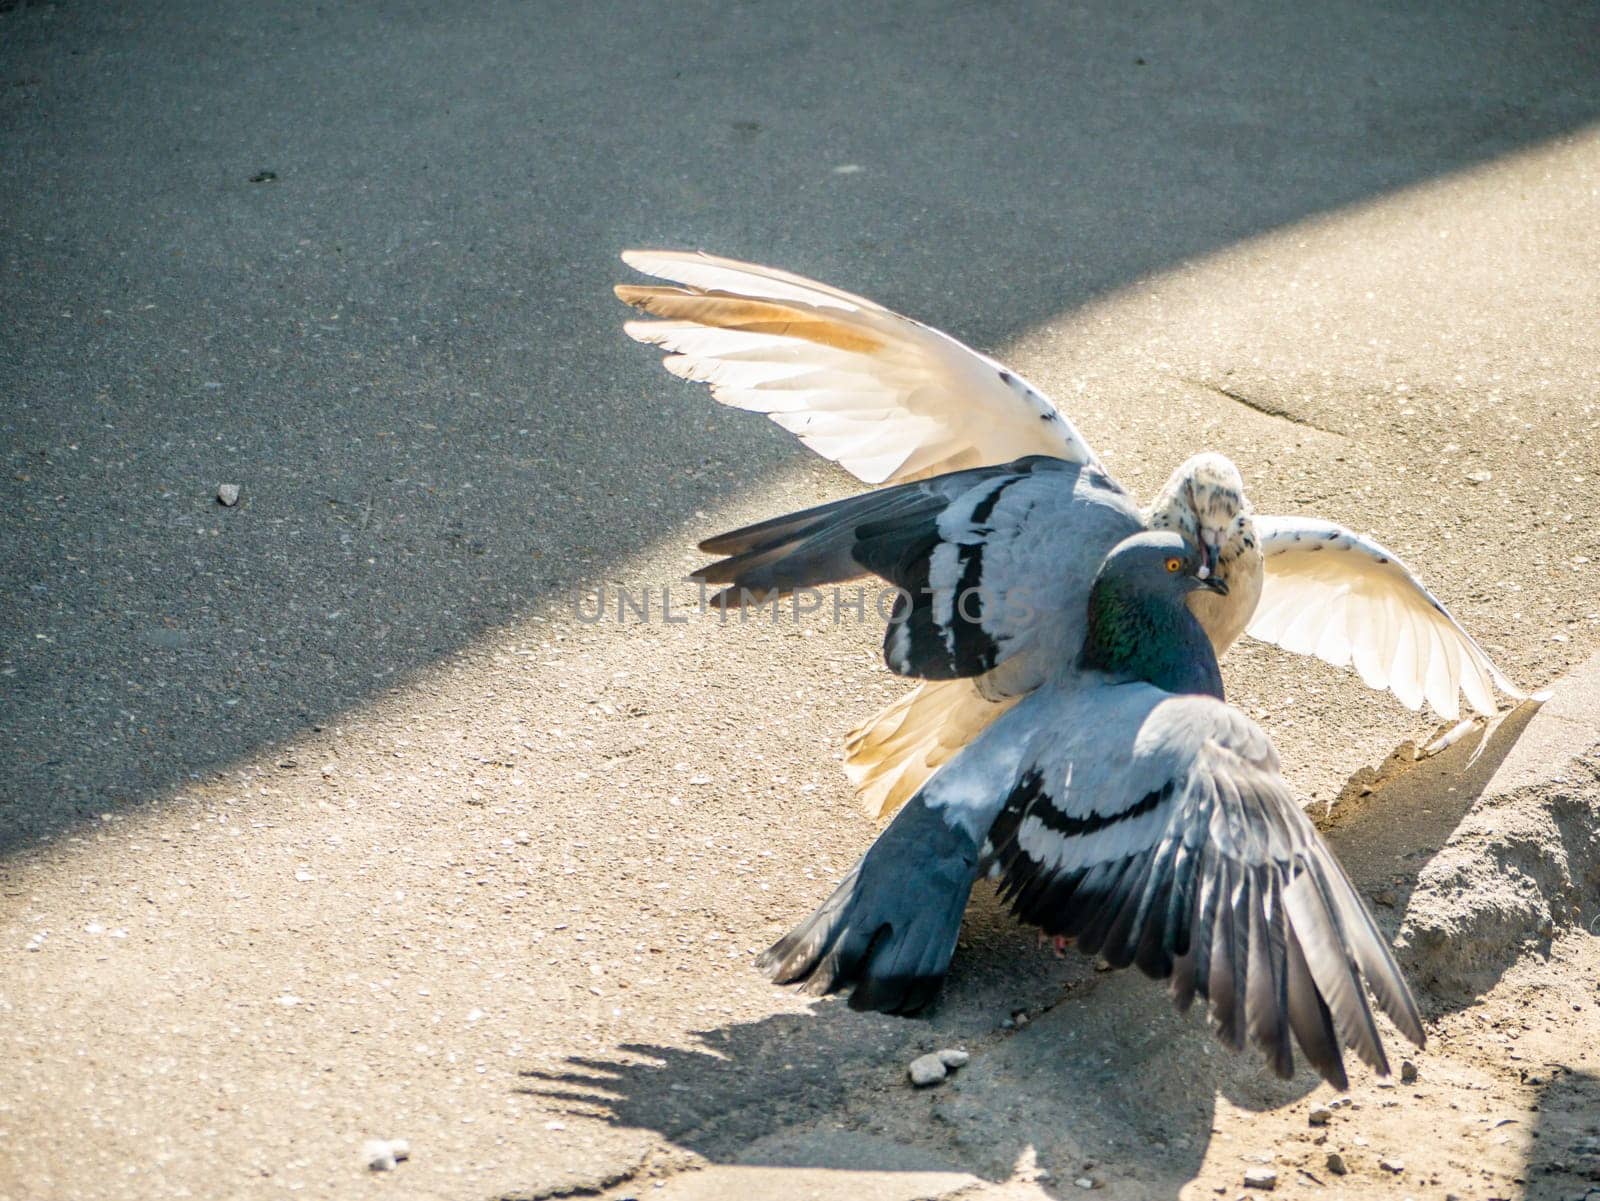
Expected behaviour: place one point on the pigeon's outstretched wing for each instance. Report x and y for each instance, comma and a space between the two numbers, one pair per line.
816, 546
1342, 597
889, 930
993, 564
885, 397
1156, 830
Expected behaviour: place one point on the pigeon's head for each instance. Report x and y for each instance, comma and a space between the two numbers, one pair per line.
1204, 501
1157, 564
1138, 623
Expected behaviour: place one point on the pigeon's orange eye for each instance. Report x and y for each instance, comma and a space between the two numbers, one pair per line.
1174, 565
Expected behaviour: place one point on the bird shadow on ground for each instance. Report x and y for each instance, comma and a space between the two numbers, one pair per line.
1103, 1070
1564, 1164
1106, 1073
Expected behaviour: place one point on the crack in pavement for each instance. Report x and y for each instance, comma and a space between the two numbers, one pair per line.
1266, 408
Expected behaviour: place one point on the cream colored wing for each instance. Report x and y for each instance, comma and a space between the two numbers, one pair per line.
892, 754
1342, 597
885, 397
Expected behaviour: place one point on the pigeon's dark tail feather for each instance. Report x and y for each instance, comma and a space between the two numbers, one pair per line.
889, 929
803, 550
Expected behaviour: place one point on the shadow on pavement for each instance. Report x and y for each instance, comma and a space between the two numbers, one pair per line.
1107, 1075
1565, 1164
359, 266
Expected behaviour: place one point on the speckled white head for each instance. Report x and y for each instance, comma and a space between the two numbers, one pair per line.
1204, 501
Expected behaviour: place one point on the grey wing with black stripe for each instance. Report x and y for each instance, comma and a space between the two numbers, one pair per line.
1156, 830
993, 564
816, 546
1001, 575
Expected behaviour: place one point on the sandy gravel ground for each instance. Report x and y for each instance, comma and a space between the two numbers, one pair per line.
325, 819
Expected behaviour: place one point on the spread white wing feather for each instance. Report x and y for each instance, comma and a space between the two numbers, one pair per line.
1346, 599
885, 397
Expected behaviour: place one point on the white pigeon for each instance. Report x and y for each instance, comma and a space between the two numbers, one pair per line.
894, 401
1123, 805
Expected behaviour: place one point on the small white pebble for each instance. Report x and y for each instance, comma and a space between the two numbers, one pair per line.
1261, 1178
288, 1000
378, 1154
228, 494
953, 1058
926, 1070
1320, 1116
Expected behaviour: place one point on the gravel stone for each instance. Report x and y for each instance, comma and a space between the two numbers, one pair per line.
1408, 1072
1320, 1116
1261, 1178
228, 494
1336, 1164
378, 1154
953, 1058
926, 1070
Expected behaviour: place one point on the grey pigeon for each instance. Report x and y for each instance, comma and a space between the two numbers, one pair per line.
893, 401
1122, 804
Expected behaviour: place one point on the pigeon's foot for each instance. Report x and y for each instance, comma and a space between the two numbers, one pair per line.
1058, 943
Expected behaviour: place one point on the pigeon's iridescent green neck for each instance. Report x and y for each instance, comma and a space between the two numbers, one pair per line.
1150, 638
